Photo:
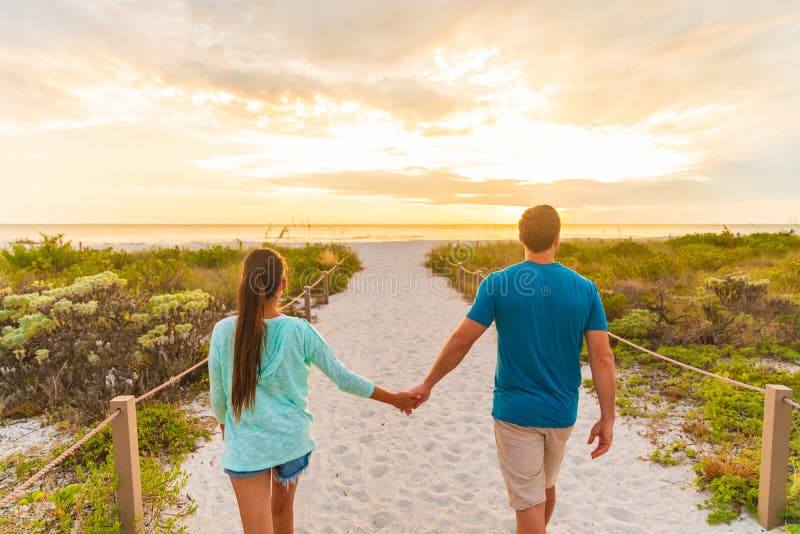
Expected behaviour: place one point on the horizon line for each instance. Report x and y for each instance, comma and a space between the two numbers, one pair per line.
311, 225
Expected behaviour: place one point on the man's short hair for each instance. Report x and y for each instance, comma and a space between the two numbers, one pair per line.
539, 227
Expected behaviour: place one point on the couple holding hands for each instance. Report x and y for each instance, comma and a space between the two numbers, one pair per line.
259, 363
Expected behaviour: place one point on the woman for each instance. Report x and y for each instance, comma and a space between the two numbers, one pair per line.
259, 363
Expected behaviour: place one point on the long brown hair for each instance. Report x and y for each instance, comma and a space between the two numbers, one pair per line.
262, 276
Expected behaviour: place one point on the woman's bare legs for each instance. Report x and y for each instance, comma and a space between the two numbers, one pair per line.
253, 495
283, 506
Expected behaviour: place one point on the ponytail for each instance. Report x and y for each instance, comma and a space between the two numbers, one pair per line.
262, 276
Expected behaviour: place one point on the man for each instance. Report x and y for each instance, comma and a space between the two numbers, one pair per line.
543, 311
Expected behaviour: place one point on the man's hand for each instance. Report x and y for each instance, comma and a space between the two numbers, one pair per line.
402, 401
423, 391
604, 432
222, 428
405, 401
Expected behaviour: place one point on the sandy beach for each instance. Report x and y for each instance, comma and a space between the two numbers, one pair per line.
436, 471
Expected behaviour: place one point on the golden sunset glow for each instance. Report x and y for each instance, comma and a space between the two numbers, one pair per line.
399, 112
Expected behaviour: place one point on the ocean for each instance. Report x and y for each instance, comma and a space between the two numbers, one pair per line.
139, 235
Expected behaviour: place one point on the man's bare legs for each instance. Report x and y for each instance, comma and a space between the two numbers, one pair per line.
531, 520
534, 520
550, 504
282, 506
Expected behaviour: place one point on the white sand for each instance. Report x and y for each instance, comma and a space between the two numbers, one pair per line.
436, 471
27, 435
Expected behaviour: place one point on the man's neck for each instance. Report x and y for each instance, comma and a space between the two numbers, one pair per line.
544, 257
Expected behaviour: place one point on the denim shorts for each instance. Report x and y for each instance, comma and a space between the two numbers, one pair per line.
286, 473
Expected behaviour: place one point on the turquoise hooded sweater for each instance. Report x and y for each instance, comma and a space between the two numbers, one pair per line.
277, 428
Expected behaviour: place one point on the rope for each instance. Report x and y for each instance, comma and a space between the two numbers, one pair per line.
171, 381
8, 499
316, 283
689, 367
298, 297
476, 272
792, 403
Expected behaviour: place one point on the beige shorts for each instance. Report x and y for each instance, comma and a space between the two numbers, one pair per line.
529, 459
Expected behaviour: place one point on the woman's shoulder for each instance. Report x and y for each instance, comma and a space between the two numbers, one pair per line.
224, 326
227, 325
297, 323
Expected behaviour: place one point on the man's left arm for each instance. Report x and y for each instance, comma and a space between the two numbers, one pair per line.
455, 349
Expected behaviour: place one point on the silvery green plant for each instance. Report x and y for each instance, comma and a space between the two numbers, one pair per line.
72, 348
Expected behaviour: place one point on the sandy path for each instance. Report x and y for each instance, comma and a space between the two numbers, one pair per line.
436, 471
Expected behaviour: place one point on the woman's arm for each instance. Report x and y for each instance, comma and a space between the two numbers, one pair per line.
219, 402
321, 355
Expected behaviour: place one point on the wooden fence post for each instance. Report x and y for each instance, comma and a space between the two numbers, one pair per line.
459, 275
126, 463
326, 289
774, 456
307, 299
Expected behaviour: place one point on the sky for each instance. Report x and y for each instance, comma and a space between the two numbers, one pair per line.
399, 111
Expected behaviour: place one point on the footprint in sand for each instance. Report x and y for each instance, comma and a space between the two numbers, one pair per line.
382, 519
347, 481
455, 448
620, 514
378, 470
340, 449
466, 496
366, 438
450, 457
361, 495
429, 446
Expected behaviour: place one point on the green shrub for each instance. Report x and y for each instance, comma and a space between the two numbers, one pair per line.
74, 347
635, 324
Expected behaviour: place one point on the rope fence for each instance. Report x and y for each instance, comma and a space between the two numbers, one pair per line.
305, 295
19, 490
689, 367
776, 427
124, 435
171, 381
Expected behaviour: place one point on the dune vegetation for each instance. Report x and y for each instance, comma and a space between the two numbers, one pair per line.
725, 303
79, 327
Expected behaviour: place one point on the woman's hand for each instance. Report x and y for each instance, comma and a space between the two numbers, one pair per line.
402, 401
405, 401
222, 428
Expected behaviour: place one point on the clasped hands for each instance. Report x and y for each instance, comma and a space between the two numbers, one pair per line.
408, 401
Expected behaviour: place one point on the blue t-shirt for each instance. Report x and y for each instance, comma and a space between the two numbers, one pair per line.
541, 312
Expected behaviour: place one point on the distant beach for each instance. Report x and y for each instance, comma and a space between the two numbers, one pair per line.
134, 236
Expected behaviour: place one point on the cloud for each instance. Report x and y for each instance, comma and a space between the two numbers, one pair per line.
443, 187
682, 100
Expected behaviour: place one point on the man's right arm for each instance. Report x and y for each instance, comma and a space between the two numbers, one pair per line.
455, 348
601, 361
